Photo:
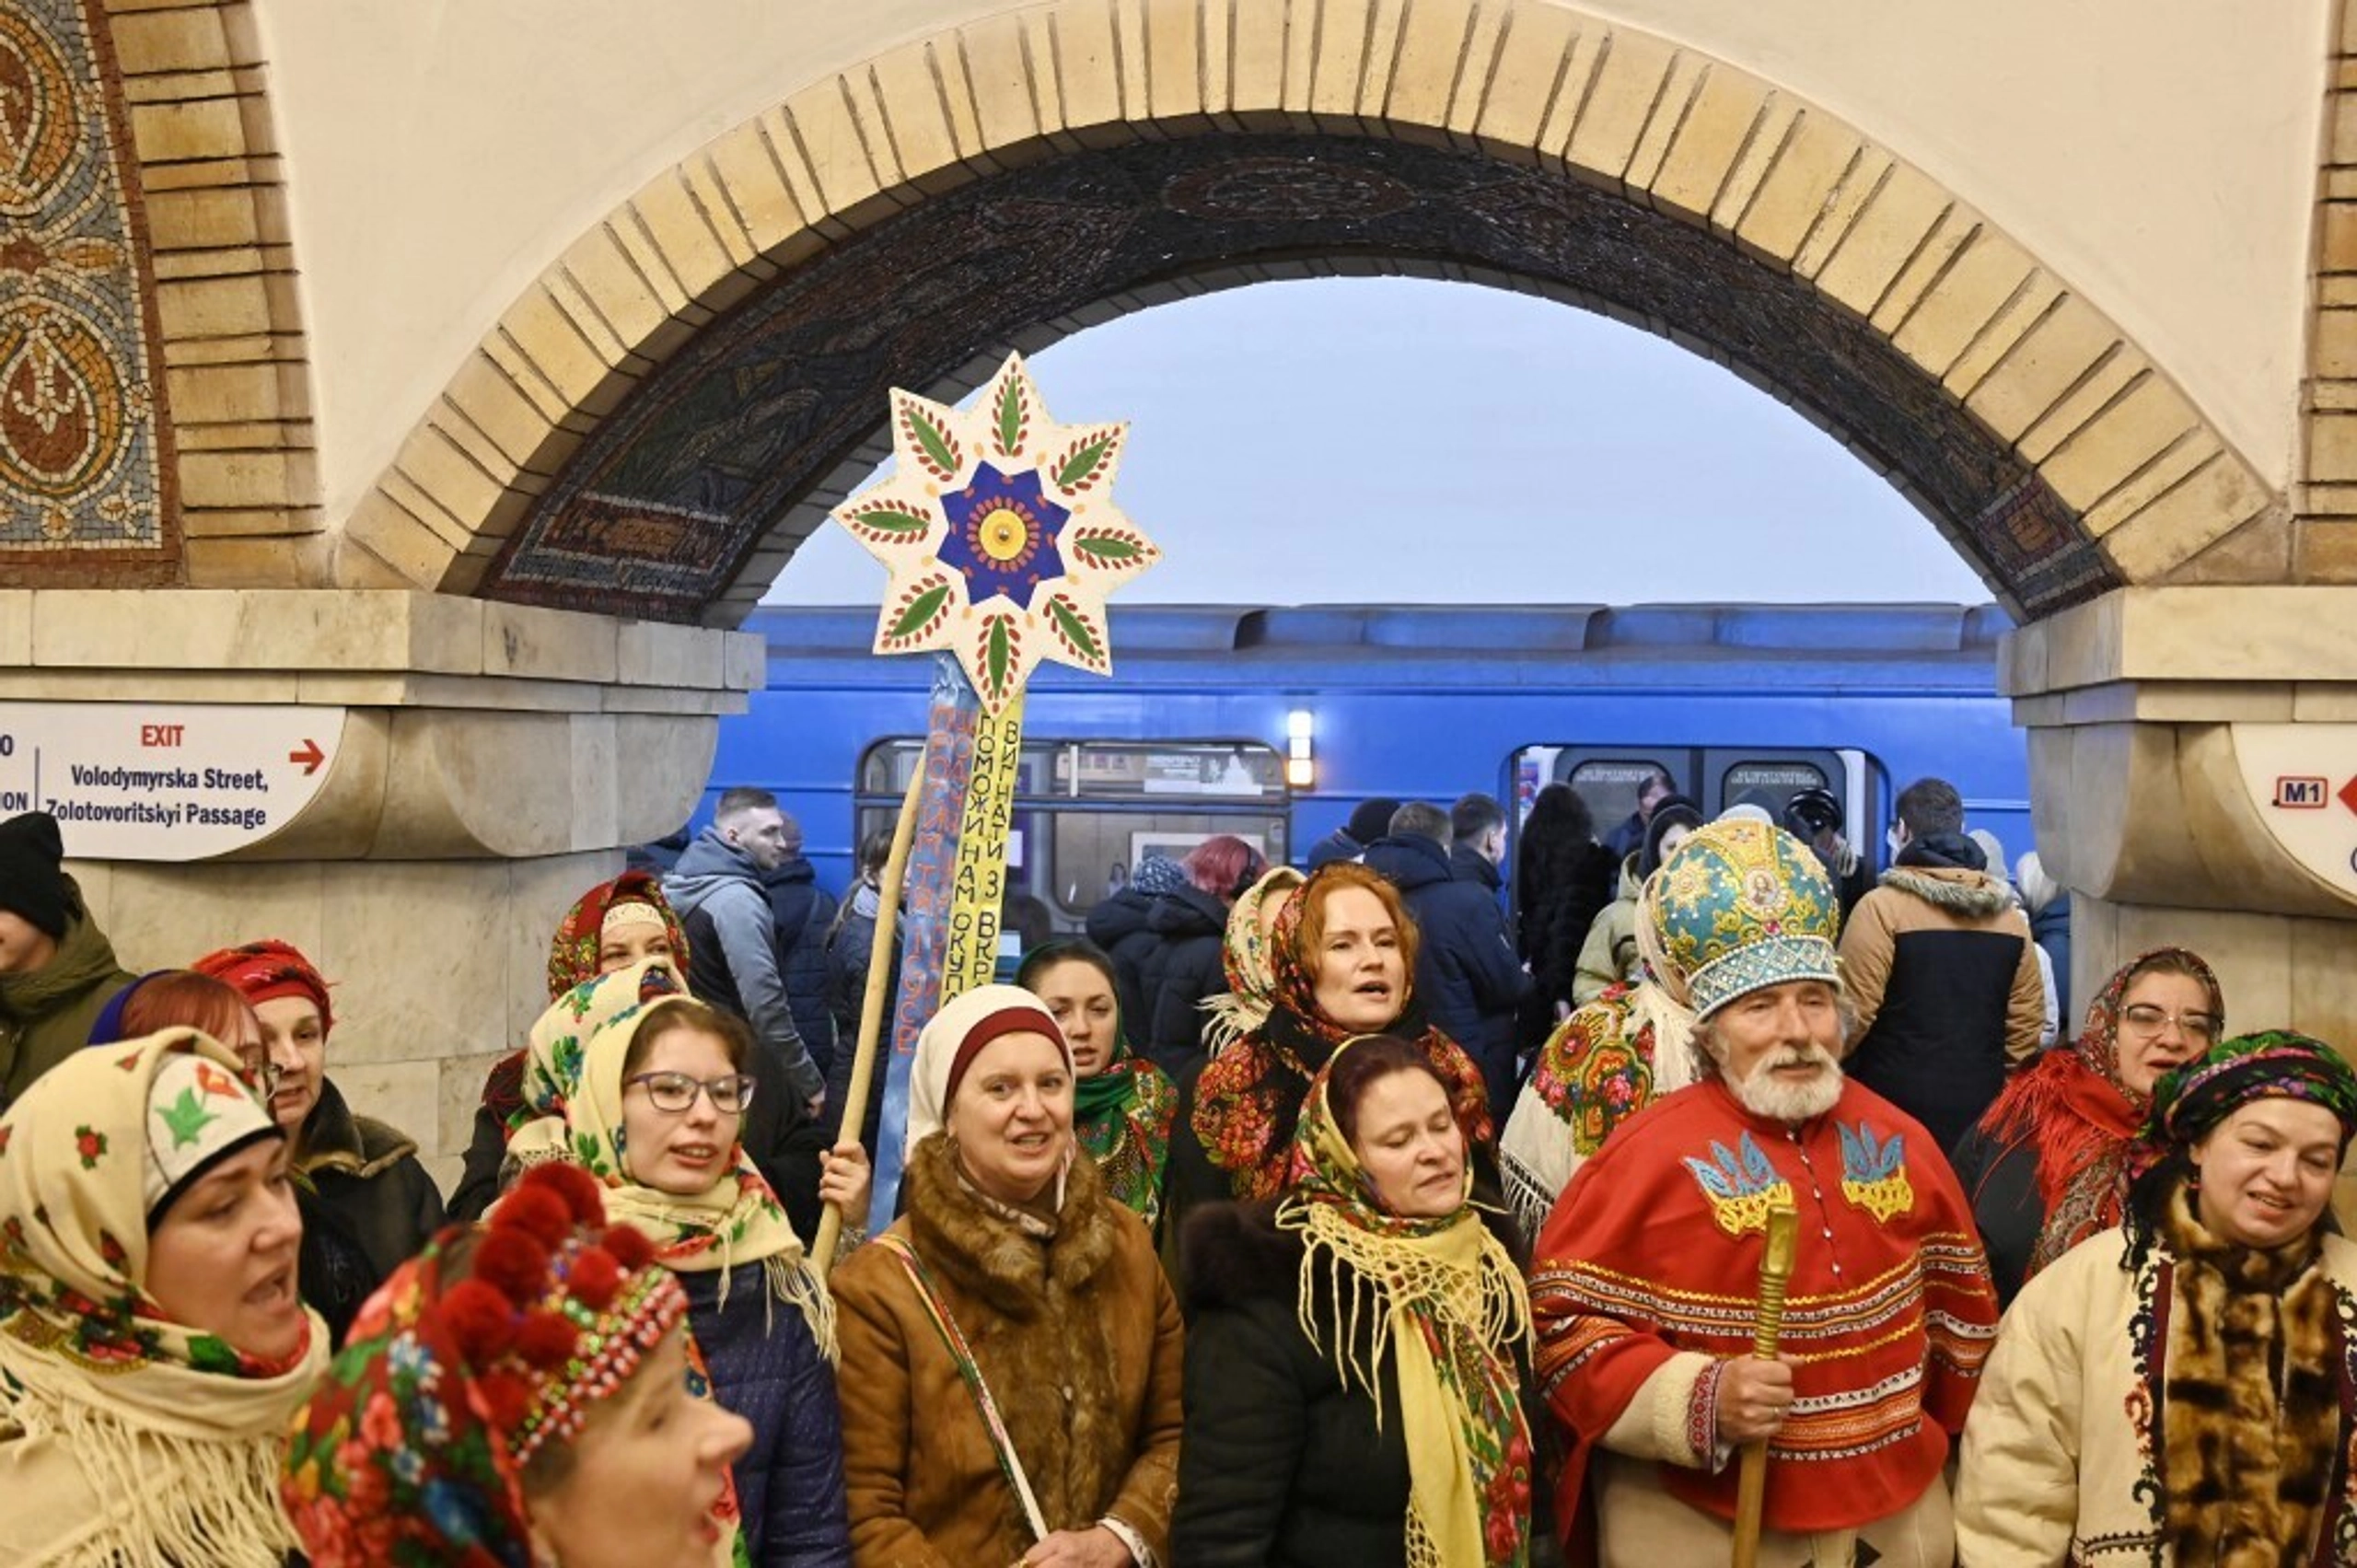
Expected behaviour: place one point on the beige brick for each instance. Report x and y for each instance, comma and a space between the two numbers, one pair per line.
1982, 294
224, 393
1433, 39
2214, 501
397, 546
1886, 235
824, 132
182, 87
214, 307
1627, 82
681, 233
1861, 184
2257, 551
991, 62
2197, 449
268, 522
2326, 552
2149, 419
256, 562
427, 508
203, 220
1038, 38
1810, 167
1687, 75
1779, 117
1088, 80
553, 344
628, 290
2343, 111
2329, 500
258, 435
2338, 248
1534, 57
484, 396
1332, 77
1130, 61
170, 40
1174, 55
756, 193
2103, 386
2036, 298
249, 478
1719, 128
1927, 270
2334, 353
1485, 38
2332, 447
907, 105
172, 132
2064, 346
1579, 72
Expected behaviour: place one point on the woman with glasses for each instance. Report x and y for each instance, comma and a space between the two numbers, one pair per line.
646, 1088
2049, 1163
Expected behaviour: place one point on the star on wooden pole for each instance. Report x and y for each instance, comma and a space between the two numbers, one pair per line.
999, 530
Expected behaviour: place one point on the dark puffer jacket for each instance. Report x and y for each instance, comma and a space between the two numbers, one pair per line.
804, 913
1183, 966
765, 1367
1282, 1465
1119, 925
46, 1014
368, 1206
1467, 976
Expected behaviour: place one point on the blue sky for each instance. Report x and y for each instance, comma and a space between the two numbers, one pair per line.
1393, 440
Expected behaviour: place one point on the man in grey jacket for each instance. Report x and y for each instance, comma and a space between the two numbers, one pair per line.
733, 959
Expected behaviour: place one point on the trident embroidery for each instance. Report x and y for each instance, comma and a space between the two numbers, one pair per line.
1874, 1175
1741, 1185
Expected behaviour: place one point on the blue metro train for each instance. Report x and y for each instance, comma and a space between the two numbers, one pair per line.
1272, 723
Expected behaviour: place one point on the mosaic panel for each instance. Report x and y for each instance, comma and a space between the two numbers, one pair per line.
653, 516
82, 451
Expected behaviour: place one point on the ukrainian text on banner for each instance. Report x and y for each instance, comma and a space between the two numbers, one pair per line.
979, 894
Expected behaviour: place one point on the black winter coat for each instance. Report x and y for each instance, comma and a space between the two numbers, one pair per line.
1189, 928
2001, 1181
766, 1366
367, 1207
1467, 975
1282, 1465
804, 913
1118, 924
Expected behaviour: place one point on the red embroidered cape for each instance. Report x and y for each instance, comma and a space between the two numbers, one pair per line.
1655, 1249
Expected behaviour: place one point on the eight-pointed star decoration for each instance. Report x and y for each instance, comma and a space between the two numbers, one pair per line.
999, 530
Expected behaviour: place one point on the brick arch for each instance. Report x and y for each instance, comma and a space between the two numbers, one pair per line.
668, 411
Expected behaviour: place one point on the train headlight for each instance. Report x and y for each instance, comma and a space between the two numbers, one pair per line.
1301, 769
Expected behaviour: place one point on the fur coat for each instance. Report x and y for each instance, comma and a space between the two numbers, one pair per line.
2072, 1451
1078, 1338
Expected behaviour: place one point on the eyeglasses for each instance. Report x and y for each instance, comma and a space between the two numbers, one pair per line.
264, 1074
676, 1092
2147, 1019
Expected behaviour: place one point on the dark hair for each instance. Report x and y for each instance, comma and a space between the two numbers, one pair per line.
874, 851
742, 798
1322, 885
2168, 960
1474, 815
1424, 821
1222, 865
1658, 779
1673, 811
1364, 1064
1929, 805
1560, 810
185, 999
1068, 950
734, 1035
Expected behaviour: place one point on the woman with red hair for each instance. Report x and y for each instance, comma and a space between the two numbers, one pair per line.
1182, 966
371, 1204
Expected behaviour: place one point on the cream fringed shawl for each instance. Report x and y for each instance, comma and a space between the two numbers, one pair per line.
125, 1441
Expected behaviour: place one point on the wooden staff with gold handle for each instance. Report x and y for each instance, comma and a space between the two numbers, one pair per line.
1751, 1478
871, 1002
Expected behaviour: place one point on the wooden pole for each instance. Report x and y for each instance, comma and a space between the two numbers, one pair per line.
871, 1003
1751, 1479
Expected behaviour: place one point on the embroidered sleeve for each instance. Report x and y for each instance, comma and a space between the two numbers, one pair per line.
1140, 1552
1675, 1417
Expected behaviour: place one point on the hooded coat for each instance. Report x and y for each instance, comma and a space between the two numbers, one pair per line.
803, 912
1119, 925
1467, 974
46, 1014
1183, 966
368, 1206
1940, 968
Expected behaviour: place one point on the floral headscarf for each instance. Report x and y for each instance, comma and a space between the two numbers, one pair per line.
264, 971
413, 1450
574, 1080
1249, 1100
573, 953
2084, 1119
149, 1443
2190, 1101
1448, 1308
1244, 955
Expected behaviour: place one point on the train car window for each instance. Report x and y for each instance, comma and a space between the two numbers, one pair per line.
1770, 783
1087, 812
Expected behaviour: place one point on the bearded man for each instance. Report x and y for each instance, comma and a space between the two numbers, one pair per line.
1645, 1290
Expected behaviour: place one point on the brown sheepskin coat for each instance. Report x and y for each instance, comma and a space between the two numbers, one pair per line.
1079, 1339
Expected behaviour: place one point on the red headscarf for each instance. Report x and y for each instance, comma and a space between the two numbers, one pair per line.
572, 956
266, 971
1247, 1100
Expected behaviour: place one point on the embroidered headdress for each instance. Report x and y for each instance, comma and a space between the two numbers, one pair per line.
2270, 1064
474, 1357
1745, 905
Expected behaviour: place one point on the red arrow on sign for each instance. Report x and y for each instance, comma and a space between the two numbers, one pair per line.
2349, 795
311, 757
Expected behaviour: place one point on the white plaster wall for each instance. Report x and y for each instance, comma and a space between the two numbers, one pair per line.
2159, 155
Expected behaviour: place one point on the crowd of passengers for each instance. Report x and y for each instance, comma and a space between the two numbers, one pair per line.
1339, 1242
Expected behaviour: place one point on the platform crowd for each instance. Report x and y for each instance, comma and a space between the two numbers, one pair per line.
1296, 1217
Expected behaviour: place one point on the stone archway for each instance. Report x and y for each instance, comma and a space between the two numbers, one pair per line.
670, 409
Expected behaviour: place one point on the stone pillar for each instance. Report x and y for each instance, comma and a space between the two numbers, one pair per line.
2189, 748
493, 760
